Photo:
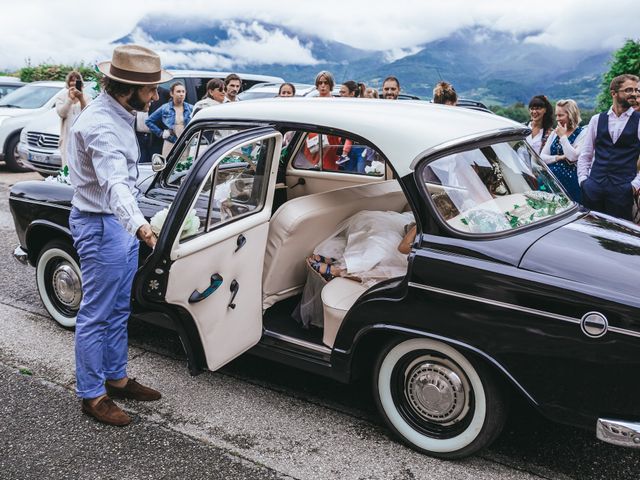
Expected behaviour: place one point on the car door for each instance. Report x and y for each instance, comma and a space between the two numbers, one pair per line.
206, 268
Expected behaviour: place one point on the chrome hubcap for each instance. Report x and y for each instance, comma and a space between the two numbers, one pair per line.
436, 392
67, 286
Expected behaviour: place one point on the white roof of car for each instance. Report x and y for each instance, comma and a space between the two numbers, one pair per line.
213, 74
48, 83
402, 130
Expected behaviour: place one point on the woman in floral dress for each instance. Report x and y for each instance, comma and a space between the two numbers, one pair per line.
562, 149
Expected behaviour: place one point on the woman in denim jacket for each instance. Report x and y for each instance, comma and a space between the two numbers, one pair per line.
170, 120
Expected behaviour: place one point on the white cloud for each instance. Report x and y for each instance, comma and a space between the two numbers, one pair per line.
73, 30
248, 44
398, 53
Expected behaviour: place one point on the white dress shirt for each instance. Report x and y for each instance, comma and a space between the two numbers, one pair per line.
103, 162
616, 126
535, 142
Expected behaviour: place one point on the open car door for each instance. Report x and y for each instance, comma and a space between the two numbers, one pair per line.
206, 270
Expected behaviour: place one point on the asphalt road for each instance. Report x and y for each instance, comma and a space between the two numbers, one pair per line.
252, 419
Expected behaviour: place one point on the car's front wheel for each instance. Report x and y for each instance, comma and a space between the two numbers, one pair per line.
12, 158
436, 399
59, 281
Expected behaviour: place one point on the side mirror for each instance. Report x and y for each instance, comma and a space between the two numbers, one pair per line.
158, 163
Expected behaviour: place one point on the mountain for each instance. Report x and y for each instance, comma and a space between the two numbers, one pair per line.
483, 64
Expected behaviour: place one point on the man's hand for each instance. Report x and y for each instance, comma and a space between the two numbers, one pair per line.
145, 234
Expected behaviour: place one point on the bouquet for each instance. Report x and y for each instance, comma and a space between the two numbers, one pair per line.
190, 226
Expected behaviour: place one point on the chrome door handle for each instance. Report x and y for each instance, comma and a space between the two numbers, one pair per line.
240, 242
216, 281
234, 287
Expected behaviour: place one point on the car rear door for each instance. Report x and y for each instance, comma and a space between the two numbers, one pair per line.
206, 269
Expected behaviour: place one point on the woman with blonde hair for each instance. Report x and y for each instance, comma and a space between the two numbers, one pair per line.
445, 94
562, 149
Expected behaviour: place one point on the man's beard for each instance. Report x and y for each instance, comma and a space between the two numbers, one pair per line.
136, 103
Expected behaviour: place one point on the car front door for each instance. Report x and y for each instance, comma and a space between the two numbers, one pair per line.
206, 269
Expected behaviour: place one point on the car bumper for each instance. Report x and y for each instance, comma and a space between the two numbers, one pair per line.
21, 256
41, 161
618, 432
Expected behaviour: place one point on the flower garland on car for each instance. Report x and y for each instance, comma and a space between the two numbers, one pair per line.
61, 177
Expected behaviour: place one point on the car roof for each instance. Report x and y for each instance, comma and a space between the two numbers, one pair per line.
402, 131
48, 83
7, 80
212, 74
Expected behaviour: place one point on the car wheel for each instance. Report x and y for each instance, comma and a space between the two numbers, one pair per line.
12, 158
436, 399
59, 282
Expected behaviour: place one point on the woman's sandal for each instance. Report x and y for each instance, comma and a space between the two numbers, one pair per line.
317, 266
316, 257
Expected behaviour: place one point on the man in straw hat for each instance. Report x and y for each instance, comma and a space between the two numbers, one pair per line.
106, 224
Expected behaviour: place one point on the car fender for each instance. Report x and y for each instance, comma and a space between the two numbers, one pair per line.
39, 233
391, 331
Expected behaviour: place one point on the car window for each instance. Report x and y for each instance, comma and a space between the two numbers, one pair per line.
192, 150
29, 96
235, 188
6, 89
337, 154
494, 188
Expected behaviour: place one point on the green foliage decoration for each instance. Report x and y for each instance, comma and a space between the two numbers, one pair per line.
625, 60
45, 71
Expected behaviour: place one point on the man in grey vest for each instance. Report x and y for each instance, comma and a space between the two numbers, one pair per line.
607, 166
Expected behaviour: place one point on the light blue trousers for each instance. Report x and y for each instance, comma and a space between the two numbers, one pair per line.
108, 261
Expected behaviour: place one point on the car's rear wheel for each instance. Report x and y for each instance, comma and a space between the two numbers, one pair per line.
59, 281
437, 400
12, 158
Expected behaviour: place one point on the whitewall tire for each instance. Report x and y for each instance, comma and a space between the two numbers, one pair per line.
59, 282
436, 399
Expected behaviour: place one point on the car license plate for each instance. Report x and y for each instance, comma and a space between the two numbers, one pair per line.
36, 157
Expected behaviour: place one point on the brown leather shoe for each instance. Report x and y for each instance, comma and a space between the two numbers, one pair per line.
134, 391
106, 411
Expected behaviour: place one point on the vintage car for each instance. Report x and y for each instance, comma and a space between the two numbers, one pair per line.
510, 287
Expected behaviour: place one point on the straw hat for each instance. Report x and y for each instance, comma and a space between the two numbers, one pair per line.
135, 65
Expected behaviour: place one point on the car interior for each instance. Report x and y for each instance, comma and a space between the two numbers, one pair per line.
314, 194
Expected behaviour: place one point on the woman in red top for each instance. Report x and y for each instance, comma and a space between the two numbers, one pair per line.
330, 143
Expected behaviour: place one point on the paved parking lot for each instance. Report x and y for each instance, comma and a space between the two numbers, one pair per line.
253, 419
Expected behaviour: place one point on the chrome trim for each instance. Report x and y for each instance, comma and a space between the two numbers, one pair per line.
38, 202
468, 138
511, 306
618, 432
20, 255
300, 343
596, 320
496, 303
624, 331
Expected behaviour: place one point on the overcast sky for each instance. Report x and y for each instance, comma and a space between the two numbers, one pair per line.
69, 31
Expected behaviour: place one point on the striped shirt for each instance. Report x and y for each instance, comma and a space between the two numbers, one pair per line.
103, 153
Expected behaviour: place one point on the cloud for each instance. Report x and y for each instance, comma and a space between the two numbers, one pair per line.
72, 30
248, 44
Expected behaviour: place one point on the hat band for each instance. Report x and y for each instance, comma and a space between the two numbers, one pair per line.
135, 76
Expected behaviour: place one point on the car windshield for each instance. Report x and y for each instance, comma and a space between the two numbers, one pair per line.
7, 89
494, 188
29, 96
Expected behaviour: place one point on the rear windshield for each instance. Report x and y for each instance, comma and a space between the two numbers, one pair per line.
493, 189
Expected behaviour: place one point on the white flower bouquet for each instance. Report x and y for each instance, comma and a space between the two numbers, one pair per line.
189, 227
